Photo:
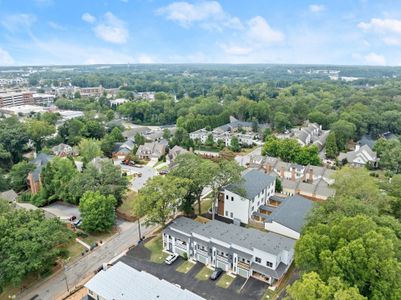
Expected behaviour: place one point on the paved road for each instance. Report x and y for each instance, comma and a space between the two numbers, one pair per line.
79, 270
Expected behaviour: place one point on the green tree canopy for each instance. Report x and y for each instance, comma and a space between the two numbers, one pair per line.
18, 175
38, 130
89, 149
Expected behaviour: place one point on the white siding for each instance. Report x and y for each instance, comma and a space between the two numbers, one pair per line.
281, 229
238, 208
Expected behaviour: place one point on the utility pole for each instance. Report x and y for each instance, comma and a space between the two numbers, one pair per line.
139, 229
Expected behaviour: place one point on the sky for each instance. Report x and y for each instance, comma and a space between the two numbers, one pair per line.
62, 32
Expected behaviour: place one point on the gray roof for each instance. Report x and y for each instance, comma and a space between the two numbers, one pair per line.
292, 212
132, 132
9, 195
122, 282
277, 273
254, 181
247, 238
40, 161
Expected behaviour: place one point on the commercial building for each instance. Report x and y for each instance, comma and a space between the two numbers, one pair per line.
122, 282
15, 99
43, 99
243, 251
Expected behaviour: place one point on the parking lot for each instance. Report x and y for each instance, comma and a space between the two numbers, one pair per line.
240, 288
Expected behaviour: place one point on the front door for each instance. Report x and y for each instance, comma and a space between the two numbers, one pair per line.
220, 204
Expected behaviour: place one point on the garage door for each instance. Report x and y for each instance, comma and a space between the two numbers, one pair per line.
221, 265
243, 272
202, 259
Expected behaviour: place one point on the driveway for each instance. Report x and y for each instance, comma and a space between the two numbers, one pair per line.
146, 171
208, 289
62, 210
244, 160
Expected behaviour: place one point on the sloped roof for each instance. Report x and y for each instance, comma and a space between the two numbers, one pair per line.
9, 195
253, 182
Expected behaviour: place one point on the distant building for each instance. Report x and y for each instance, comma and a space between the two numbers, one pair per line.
174, 152
43, 99
34, 180
121, 150
116, 102
63, 150
239, 201
360, 157
16, 99
247, 252
122, 282
91, 91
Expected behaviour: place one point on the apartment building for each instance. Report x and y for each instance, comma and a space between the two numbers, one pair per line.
43, 99
239, 201
91, 91
243, 251
312, 182
16, 99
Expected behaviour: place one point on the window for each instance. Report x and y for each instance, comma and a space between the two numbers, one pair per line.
231, 215
258, 260
226, 213
253, 208
232, 198
269, 264
227, 197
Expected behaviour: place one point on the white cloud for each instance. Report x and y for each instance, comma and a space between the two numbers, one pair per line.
209, 14
392, 41
381, 25
18, 22
145, 59
111, 29
88, 18
55, 25
261, 32
5, 58
316, 8
236, 49
375, 59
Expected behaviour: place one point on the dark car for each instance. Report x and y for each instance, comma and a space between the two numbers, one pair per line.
216, 274
163, 172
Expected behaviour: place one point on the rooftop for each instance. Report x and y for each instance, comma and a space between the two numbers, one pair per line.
122, 282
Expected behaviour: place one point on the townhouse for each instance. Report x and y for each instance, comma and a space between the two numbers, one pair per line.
239, 201
243, 251
360, 157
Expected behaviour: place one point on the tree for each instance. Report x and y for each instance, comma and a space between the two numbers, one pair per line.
227, 172
331, 145
38, 130
18, 175
97, 211
344, 131
93, 129
77, 95
355, 249
209, 140
234, 144
29, 244
13, 138
278, 185
160, 198
166, 134
4, 185
89, 149
109, 140
199, 171
50, 117
312, 287
139, 139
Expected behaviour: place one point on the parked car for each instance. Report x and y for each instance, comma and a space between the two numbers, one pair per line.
163, 172
77, 223
72, 218
216, 274
171, 258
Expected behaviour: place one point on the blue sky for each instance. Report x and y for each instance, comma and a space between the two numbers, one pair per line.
357, 32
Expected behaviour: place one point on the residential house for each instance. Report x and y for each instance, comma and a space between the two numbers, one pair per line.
131, 133
63, 150
312, 134
360, 157
243, 251
239, 201
33, 178
122, 282
10, 196
116, 102
174, 152
152, 150
312, 182
285, 216
121, 150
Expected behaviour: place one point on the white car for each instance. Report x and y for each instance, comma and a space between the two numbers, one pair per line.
171, 258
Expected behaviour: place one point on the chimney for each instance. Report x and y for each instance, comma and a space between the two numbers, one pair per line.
292, 173
311, 175
282, 172
357, 146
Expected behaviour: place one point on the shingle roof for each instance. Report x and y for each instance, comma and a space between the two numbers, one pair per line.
247, 238
9, 195
254, 181
292, 212
40, 161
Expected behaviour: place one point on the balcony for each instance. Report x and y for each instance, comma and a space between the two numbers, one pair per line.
181, 245
222, 258
243, 265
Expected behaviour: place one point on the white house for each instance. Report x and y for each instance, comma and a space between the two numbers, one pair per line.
360, 157
239, 201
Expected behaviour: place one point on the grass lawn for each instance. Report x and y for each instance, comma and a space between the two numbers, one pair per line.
74, 250
205, 205
155, 246
204, 274
225, 281
96, 237
126, 207
185, 266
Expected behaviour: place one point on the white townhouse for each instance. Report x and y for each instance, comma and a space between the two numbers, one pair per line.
239, 201
243, 251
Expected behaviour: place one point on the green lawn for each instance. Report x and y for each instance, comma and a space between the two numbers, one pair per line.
96, 237
225, 281
205, 205
185, 267
74, 249
126, 207
204, 274
155, 245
